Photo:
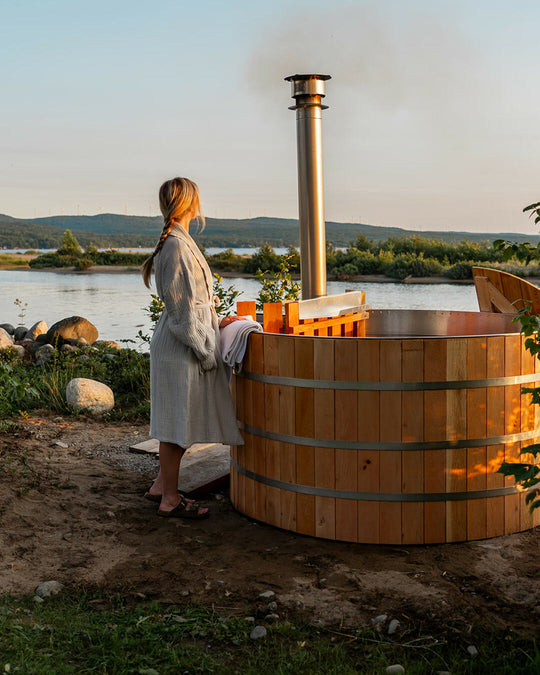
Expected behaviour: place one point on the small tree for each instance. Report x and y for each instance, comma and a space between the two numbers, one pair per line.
70, 246
526, 474
277, 286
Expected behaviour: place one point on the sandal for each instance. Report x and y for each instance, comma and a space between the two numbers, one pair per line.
181, 511
157, 498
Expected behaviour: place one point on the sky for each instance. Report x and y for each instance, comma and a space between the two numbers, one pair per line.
433, 120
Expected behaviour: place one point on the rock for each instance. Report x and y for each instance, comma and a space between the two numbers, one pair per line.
443, 672
267, 595
42, 339
43, 354
39, 328
249, 619
85, 394
272, 606
80, 342
147, 671
72, 328
472, 651
110, 357
8, 327
393, 626
61, 444
107, 343
379, 621
258, 632
48, 588
271, 617
69, 349
20, 332
396, 669
5, 339
20, 350
37, 599
33, 347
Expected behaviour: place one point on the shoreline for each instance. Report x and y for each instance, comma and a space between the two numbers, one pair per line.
366, 278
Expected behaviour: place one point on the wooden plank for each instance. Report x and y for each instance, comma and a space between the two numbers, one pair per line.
456, 458
305, 426
412, 429
291, 316
390, 431
536, 512
481, 285
323, 402
345, 322
273, 317
512, 420
476, 428
287, 424
247, 308
346, 429
527, 424
204, 470
271, 410
512, 290
258, 417
247, 494
495, 427
368, 460
435, 357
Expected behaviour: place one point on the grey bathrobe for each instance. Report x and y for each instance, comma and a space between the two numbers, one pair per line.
190, 397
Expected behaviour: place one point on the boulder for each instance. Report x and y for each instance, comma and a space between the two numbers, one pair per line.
68, 349
94, 397
8, 327
42, 339
21, 352
5, 339
43, 354
72, 328
107, 343
32, 347
38, 328
20, 332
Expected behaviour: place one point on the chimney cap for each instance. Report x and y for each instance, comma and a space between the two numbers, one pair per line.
292, 78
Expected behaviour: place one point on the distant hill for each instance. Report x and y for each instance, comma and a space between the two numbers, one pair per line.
109, 229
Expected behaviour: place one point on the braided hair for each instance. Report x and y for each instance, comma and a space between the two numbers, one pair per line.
177, 197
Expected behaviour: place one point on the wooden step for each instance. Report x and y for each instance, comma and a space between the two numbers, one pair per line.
204, 466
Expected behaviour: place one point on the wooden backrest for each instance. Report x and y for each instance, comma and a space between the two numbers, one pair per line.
502, 292
350, 324
345, 325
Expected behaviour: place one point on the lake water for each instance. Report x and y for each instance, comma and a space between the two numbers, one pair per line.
115, 302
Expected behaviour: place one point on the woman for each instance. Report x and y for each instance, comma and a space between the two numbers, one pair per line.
190, 397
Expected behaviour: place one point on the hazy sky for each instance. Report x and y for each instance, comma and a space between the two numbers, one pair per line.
433, 118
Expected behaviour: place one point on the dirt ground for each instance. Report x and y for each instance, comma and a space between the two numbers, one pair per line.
71, 509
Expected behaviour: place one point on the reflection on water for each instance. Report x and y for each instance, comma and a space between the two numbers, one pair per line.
115, 302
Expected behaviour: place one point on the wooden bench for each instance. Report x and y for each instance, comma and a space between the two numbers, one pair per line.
306, 317
503, 292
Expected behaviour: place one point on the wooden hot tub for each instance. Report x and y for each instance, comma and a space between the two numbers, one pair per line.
391, 438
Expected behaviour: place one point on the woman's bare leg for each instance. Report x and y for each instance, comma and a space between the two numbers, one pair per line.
170, 456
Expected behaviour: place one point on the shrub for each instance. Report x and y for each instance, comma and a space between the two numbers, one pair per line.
265, 260
462, 270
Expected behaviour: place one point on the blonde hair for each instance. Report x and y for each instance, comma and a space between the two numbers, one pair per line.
177, 197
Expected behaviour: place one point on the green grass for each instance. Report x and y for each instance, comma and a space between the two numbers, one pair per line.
13, 260
83, 631
25, 386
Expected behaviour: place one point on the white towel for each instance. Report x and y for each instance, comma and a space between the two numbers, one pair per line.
233, 339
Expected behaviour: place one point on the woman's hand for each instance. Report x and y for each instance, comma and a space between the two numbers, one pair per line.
230, 319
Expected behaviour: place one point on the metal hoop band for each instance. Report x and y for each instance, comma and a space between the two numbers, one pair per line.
379, 496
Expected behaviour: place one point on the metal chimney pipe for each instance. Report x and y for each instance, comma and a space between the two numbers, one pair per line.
308, 91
